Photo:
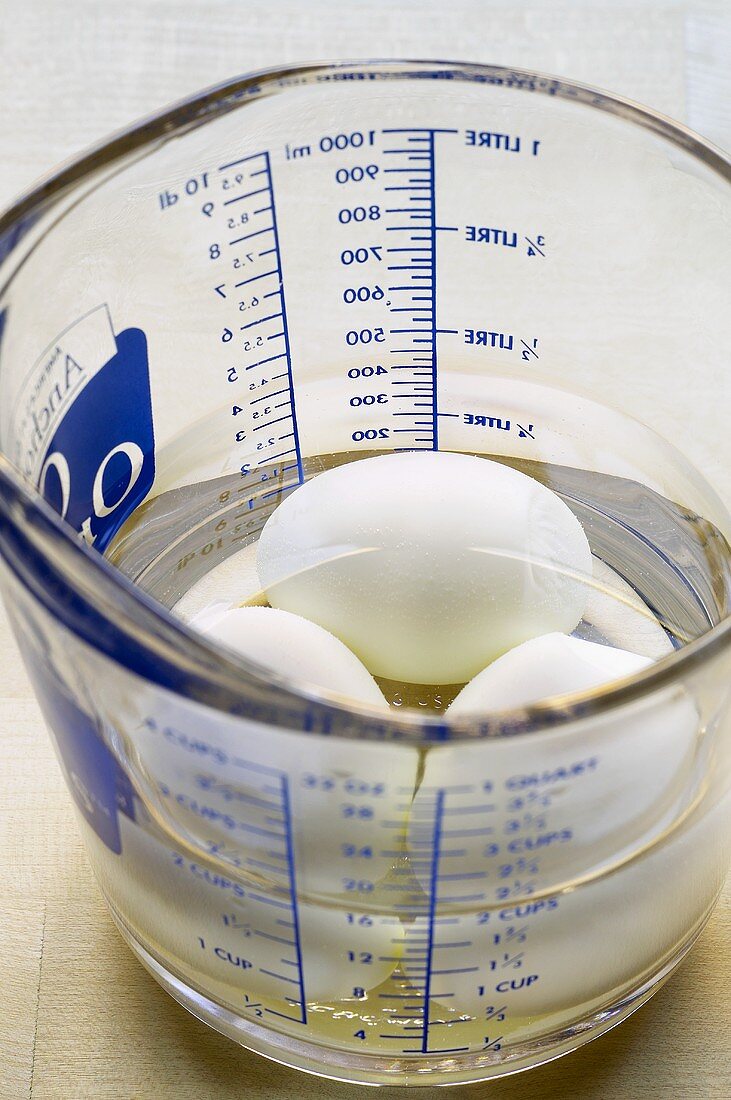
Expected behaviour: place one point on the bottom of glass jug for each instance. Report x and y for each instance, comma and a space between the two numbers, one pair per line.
341, 1065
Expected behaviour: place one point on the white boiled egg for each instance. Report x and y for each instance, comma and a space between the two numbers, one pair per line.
229, 779
553, 664
296, 648
519, 818
232, 583
428, 565
180, 902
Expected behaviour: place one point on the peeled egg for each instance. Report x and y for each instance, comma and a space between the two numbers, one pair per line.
229, 780
553, 664
210, 923
565, 801
428, 565
553, 953
233, 582
296, 648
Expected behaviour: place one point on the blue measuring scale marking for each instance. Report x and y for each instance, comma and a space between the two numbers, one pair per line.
258, 323
407, 214
438, 830
413, 212
269, 816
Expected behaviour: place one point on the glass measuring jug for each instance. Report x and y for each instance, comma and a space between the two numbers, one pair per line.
303, 269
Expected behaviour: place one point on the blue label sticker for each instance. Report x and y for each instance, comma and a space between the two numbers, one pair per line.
99, 785
100, 461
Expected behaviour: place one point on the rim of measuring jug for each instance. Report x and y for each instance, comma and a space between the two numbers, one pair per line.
86, 594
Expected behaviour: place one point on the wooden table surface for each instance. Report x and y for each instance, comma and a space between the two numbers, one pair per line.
79, 1017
